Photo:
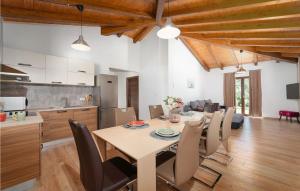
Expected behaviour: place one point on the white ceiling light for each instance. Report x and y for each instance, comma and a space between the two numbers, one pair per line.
169, 30
80, 44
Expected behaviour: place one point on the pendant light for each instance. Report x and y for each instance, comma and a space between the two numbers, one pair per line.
169, 30
241, 69
80, 44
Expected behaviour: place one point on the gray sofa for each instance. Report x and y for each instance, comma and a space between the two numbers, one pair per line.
209, 106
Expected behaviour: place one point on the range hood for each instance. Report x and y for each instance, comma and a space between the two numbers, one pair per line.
9, 74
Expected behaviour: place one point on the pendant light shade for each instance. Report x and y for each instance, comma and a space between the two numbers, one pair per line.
240, 69
80, 44
168, 31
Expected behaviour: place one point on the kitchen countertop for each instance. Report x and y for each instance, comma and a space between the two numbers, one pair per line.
62, 108
38, 119
28, 120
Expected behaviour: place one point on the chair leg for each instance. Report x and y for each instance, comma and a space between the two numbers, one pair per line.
226, 145
215, 182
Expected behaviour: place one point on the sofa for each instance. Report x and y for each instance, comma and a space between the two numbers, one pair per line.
209, 106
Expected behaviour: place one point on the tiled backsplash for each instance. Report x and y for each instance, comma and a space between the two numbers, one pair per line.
43, 96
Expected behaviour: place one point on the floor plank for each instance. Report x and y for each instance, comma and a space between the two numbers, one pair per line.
266, 156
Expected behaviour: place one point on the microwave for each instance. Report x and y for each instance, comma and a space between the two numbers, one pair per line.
10, 104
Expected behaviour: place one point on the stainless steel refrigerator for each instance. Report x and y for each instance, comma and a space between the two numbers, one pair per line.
106, 97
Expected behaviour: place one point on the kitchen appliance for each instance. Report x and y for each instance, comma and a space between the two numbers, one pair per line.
9, 74
13, 104
106, 97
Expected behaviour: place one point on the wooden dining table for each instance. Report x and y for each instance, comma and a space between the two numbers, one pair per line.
141, 145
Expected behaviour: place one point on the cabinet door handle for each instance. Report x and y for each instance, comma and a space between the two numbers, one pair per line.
56, 82
81, 83
22, 64
61, 111
85, 109
82, 71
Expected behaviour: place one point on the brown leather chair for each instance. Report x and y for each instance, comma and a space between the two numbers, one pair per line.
124, 115
182, 167
96, 175
156, 111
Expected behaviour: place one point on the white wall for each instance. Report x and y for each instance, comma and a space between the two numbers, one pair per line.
184, 67
275, 77
105, 51
153, 73
56, 40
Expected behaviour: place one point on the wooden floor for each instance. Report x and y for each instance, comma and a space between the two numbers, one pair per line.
266, 156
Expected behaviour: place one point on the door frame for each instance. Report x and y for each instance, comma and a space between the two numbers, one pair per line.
242, 93
138, 94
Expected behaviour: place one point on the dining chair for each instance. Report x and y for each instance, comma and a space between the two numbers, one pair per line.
97, 175
124, 115
156, 111
226, 128
211, 142
182, 167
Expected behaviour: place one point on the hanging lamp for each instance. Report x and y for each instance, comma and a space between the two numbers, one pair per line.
169, 30
80, 44
241, 69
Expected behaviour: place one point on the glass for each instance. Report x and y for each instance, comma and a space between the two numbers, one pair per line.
238, 95
246, 96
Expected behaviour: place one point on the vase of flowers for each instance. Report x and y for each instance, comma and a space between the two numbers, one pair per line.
175, 106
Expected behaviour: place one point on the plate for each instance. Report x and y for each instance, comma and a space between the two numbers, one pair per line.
166, 132
136, 123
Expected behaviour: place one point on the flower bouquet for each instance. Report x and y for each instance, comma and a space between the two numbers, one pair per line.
175, 106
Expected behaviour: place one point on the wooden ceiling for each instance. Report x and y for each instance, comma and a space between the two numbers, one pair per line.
213, 30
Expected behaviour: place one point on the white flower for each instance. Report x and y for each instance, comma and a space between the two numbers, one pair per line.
170, 101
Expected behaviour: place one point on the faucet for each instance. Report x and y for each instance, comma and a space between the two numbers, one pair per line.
65, 99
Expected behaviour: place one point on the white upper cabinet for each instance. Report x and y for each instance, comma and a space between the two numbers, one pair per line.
56, 70
23, 58
79, 65
36, 75
49, 69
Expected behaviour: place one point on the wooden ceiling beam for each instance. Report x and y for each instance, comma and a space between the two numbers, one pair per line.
247, 48
27, 15
245, 34
192, 7
268, 43
141, 35
194, 53
159, 10
278, 49
252, 11
250, 24
114, 30
104, 6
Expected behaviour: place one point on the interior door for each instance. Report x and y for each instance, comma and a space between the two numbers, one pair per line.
133, 94
242, 99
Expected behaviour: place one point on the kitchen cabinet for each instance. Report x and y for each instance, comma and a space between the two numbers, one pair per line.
56, 70
20, 154
78, 78
36, 75
17, 57
56, 123
47, 69
80, 65
87, 116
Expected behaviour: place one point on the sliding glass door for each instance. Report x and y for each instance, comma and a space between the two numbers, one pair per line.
242, 95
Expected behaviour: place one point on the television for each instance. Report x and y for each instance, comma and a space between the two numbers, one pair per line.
292, 91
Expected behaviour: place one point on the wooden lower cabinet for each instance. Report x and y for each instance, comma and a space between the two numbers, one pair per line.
56, 124
87, 116
20, 154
